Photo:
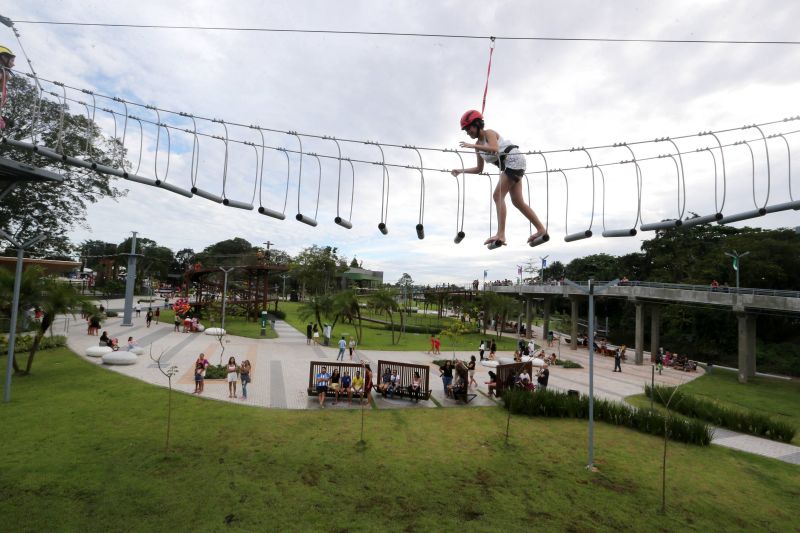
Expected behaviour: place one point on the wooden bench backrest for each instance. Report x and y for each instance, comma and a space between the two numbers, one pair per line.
405, 373
504, 373
316, 368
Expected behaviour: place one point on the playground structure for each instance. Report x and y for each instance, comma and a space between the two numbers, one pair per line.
249, 289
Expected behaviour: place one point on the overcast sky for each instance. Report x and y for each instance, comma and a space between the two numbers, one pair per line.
408, 90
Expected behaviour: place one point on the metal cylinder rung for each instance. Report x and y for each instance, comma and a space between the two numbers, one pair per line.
754, 213
619, 232
382, 228
343, 223
495, 244
237, 204
110, 170
578, 236
705, 219
783, 207
172, 188
207, 195
75, 162
541, 239
420, 231
305, 220
270, 213
459, 237
139, 179
665, 224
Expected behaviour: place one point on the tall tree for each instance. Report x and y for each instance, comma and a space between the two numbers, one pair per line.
317, 267
383, 301
45, 208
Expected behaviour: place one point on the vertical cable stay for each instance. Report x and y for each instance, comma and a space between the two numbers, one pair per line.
528, 185
792, 203
420, 228
462, 201
311, 221
758, 211
382, 227
673, 222
339, 220
541, 239
588, 232
261, 209
717, 215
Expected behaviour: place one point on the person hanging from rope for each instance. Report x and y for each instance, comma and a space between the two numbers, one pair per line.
492, 148
6, 62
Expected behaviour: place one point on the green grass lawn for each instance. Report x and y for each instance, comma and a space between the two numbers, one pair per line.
777, 398
83, 450
235, 325
378, 338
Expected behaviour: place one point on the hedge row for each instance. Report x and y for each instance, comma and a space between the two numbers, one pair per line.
743, 421
23, 343
557, 404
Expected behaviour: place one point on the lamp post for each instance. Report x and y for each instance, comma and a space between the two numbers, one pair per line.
591, 291
224, 293
12, 330
284, 276
736, 256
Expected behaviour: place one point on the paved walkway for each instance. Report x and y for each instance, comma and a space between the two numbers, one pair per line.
280, 372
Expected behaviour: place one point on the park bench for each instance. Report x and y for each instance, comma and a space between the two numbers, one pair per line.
316, 367
405, 373
462, 392
506, 374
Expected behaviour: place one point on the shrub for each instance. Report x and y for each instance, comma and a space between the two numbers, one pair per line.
279, 314
111, 314
570, 364
432, 330
23, 343
557, 404
744, 421
216, 372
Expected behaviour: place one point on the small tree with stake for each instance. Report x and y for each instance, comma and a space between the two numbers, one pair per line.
666, 402
169, 373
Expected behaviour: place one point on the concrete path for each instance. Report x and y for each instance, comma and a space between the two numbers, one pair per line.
280, 372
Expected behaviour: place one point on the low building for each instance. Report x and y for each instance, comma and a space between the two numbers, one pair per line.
361, 278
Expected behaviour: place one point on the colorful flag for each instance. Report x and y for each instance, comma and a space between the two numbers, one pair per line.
736, 263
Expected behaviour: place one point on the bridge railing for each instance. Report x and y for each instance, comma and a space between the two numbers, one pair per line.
689, 287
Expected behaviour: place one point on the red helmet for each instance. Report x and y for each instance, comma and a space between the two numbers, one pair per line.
468, 117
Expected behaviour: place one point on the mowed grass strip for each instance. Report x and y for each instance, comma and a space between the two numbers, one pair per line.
377, 337
84, 450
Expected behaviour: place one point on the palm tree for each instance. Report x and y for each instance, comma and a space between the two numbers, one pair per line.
506, 307
345, 305
316, 307
383, 301
53, 297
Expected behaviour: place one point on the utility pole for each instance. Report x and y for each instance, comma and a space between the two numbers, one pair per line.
736, 256
268, 244
591, 291
284, 276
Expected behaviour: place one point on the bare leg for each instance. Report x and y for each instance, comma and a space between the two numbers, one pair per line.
499, 197
519, 202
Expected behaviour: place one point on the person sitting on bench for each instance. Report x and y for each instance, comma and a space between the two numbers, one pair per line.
394, 384
492, 383
415, 387
345, 386
527, 385
386, 380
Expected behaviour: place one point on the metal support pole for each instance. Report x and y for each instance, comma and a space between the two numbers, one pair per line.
12, 332
130, 281
591, 375
224, 293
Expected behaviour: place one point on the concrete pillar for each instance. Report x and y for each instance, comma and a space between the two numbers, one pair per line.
655, 331
639, 333
528, 332
545, 318
747, 346
573, 332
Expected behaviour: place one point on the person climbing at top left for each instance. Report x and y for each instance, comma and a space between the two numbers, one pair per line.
492, 148
6, 62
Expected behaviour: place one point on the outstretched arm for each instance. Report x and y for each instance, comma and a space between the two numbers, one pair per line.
492, 143
477, 169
